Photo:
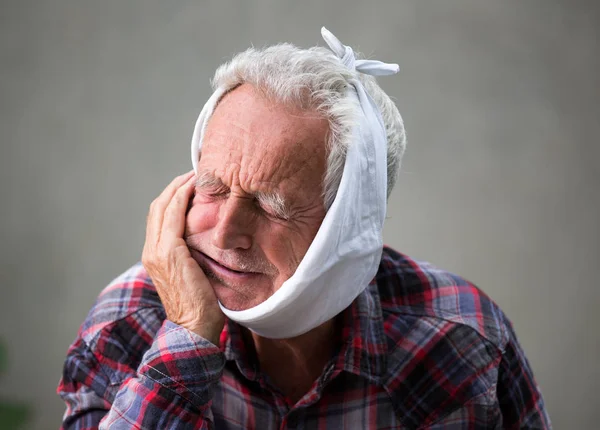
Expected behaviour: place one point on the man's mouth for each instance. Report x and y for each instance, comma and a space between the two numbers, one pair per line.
221, 270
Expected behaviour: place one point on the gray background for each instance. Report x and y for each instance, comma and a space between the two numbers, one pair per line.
500, 181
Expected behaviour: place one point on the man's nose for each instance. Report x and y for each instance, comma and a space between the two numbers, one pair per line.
235, 225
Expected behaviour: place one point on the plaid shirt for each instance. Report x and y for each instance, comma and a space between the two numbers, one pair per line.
422, 348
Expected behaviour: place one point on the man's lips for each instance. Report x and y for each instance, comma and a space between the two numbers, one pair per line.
220, 269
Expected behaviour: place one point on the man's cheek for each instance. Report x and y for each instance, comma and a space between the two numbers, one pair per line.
201, 216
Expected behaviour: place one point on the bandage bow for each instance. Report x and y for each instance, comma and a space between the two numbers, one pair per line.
346, 55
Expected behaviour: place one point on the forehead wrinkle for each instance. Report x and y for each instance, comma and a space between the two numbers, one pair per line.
255, 149
248, 173
272, 200
294, 162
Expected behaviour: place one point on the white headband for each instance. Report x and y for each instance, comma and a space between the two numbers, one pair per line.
345, 253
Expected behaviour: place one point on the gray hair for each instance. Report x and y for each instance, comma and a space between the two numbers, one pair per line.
315, 79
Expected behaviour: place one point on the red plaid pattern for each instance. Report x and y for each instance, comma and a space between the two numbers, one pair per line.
422, 348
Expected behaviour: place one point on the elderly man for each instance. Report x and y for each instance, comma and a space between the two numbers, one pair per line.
265, 298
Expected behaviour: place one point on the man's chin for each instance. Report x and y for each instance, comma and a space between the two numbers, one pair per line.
232, 299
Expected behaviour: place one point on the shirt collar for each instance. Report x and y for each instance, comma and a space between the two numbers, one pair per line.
363, 344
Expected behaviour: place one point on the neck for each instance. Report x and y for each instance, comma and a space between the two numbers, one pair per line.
294, 364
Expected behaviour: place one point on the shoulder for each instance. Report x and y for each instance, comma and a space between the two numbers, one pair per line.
124, 320
445, 339
409, 287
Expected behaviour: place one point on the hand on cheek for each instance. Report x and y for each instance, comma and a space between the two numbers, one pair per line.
181, 284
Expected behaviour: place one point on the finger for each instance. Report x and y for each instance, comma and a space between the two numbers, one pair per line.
156, 211
158, 206
174, 218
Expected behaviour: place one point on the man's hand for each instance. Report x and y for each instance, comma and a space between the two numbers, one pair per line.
184, 290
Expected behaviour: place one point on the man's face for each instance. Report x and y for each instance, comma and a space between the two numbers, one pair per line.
258, 202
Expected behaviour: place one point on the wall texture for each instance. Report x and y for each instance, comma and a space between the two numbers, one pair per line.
500, 182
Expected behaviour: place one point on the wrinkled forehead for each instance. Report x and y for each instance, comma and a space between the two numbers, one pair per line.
264, 118
251, 136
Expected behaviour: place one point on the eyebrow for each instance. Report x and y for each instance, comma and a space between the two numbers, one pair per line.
272, 200
207, 180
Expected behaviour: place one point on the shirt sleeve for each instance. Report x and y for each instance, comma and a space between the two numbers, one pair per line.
519, 396
170, 388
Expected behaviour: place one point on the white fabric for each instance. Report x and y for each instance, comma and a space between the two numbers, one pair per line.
344, 255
